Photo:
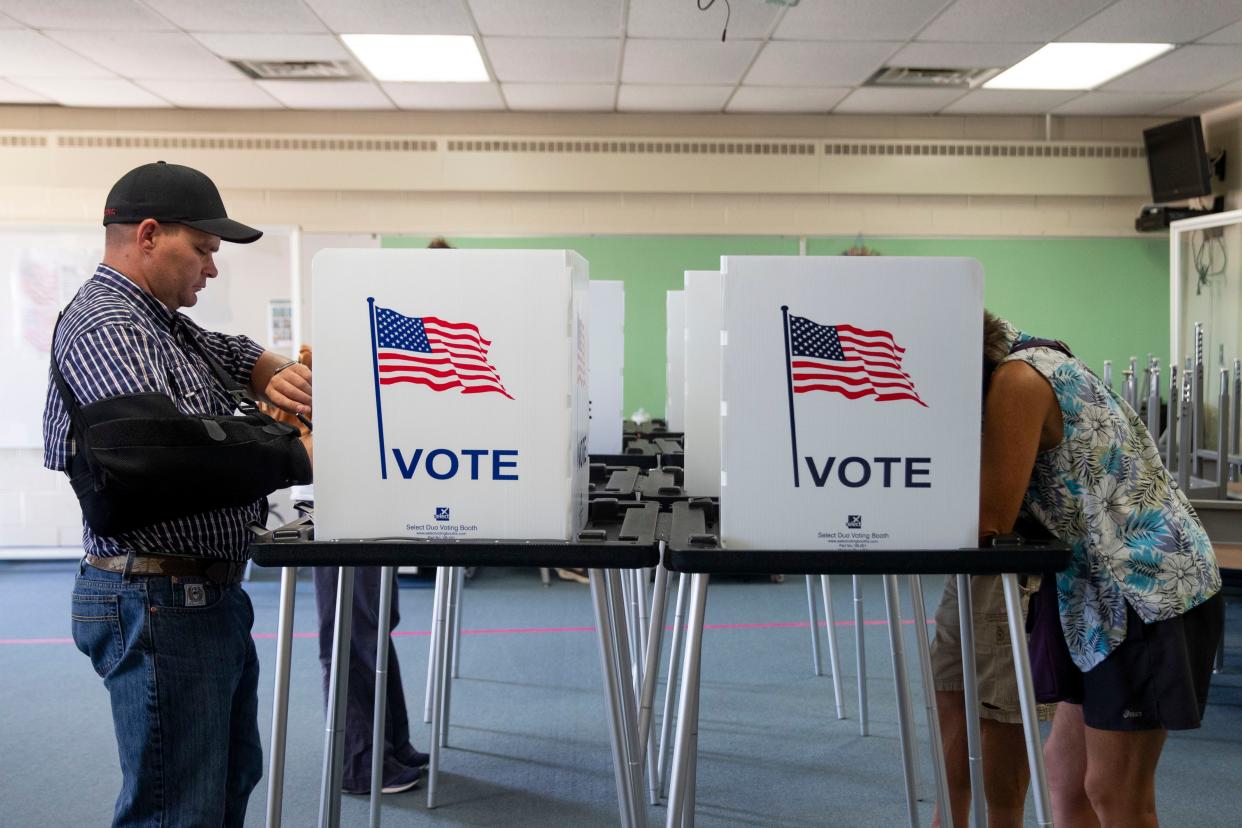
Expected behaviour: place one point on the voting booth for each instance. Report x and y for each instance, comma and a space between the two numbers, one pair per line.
702, 383
607, 366
850, 399
450, 393
675, 365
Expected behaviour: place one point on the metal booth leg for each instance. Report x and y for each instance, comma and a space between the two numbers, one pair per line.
813, 615
381, 691
431, 648
338, 686
438, 673
680, 811
970, 687
860, 647
280, 705
629, 707
905, 716
446, 631
1026, 695
929, 697
651, 671
671, 685
460, 584
612, 693
834, 660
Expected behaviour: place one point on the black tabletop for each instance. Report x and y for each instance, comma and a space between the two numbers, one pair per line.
694, 546
619, 535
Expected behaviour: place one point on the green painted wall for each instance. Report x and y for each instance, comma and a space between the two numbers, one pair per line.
1107, 298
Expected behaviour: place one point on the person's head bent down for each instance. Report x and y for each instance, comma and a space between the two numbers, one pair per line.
164, 225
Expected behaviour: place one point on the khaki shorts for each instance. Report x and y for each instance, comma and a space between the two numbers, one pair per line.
998, 687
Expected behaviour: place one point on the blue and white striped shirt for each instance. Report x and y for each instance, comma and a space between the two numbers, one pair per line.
114, 339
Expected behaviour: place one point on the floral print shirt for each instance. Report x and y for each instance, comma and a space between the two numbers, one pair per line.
1105, 492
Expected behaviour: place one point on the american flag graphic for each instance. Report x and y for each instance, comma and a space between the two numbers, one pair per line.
846, 360
430, 351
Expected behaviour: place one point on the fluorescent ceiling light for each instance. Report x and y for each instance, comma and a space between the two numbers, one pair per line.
451, 58
1076, 65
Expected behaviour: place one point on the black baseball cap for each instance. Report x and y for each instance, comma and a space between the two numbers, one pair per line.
177, 195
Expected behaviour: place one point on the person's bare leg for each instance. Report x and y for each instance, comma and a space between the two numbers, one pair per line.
1005, 773
951, 707
1065, 755
1121, 775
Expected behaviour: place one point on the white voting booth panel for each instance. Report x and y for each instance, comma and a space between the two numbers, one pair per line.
450, 393
851, 416
675, 374
607, 366
702, 381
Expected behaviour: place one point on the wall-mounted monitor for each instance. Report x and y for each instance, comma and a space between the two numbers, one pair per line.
1177, 160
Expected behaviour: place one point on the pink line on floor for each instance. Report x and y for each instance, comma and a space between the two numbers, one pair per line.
773, 625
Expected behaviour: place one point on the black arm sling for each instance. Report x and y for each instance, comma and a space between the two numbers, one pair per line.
141, 461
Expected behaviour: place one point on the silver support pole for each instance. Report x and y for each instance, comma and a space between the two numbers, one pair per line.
338, 686
834, 659
1171, 421
672, 683
1196, 399
1108, 373
1134, 383
860, 647
1235, 429
381, 692
1128, 391
919, 609
431, 648
687, 713
905, 713
1186, 442
461, 582
280, 703
446, 692
816, 660
1153, 400
651, 671
629, 709
1222, 437
439, 638
1145, 388
612, 687
1026, 698
970, 688
644, 624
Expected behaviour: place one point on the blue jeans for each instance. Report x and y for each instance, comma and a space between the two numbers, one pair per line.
184, 687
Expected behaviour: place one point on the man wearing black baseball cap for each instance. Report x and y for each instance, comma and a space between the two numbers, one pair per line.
159, 608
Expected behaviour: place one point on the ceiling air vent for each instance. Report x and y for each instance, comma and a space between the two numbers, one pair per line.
299, 69
929, 76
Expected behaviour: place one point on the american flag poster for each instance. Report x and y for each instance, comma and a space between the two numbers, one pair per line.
427, 350
842, 359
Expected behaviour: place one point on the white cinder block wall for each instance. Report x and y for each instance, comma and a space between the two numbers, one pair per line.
37, 508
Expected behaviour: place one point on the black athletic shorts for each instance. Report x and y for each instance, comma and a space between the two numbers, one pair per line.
1158, 677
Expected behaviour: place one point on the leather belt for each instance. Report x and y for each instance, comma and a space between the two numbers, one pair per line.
218, 572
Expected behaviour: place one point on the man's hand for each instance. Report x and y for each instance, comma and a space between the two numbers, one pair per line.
288, 387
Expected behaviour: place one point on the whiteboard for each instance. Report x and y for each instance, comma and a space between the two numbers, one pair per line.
607, 331
675, 401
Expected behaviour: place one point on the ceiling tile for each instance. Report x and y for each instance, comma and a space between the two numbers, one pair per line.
687, 62
1188, 69
394, 16
1008, 102
190, 94
1229, 34
660, 18
165, 55
1009, 21
553, 97
784, 99
285, 16
807, 63
106, 92
327, 94
1202, 103
11, 93
240, 46
548, 18
28, 53
1156, 21
637, 98
444, 95
858, 20
1117, 104
963, 55
897, 101
86, 15
539, 60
